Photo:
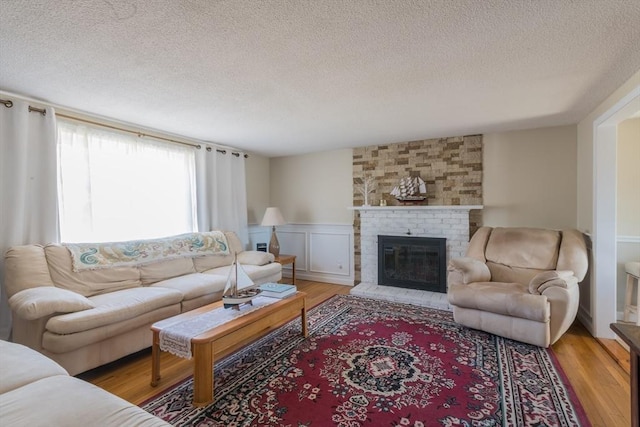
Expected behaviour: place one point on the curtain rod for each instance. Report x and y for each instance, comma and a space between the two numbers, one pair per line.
8, 103
140, 134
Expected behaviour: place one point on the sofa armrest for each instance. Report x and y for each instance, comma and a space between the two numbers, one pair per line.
255, 257
34, 303
558, 278
468, 270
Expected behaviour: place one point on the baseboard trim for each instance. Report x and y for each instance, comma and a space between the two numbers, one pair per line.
586, 320
324, 278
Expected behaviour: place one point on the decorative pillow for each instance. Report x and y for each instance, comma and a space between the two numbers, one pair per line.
39, 302
255, 257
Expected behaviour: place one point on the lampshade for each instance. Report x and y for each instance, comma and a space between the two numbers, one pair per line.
272, 217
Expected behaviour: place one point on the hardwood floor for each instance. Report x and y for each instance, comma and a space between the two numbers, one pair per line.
598, 380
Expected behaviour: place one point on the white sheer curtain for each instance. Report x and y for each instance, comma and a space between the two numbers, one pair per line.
28, 198
222, 192
116, 186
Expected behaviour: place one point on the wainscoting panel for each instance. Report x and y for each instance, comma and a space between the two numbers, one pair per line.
257, 235
293, 242
330, 253
324, 252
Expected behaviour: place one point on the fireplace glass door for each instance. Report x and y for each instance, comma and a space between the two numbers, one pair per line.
412, 262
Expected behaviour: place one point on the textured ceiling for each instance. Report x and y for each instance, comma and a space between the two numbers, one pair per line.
290, 77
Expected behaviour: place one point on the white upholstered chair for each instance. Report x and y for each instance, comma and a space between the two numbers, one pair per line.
519, 283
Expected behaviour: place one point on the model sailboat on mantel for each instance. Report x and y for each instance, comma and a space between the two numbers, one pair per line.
239, 289
410, 189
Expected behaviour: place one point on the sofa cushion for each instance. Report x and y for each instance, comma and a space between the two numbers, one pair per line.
256, 272
96, 338
509, 299
157, 271
35, 303
255, 258
212, 261
524, 247
203, 263
235, 244
194, 285
25, 267
88, 282
20, 365
114, 307
68, 401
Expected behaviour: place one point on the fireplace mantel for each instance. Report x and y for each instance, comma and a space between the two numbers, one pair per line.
416, 208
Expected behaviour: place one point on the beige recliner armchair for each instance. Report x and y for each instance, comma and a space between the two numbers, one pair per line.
519, 283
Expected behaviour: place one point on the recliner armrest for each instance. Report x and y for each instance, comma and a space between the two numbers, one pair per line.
547, 279
469, 270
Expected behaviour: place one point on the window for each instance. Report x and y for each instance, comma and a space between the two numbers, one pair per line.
114, 186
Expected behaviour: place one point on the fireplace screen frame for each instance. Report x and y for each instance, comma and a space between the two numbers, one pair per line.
432, 244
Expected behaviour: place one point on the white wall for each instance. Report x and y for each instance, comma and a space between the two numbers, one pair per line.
586, 148
529, 178
628, 174
627, 201
313, 191
594, 216
313, 188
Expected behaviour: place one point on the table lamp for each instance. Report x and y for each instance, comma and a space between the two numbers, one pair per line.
273, 217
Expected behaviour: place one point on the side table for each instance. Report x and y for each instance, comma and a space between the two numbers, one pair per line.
288, 259
630, 334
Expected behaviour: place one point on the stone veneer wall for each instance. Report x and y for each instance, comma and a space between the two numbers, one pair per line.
451, 167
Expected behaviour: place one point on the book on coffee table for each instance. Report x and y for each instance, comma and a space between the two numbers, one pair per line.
277, 290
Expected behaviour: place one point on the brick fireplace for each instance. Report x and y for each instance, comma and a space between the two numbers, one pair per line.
448, 222
451, 168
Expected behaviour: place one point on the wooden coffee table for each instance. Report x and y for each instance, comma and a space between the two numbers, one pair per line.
210, 344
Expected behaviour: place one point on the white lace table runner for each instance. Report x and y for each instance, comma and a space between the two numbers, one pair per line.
175, 336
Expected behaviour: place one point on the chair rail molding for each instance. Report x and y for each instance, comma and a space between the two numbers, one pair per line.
628, 239
324, 252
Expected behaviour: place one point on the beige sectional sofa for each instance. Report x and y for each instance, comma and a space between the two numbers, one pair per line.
86, 318
36, 391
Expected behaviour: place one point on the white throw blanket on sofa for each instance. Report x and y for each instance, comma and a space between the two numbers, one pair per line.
92, 256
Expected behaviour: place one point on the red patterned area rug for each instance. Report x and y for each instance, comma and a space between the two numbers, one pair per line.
378, 363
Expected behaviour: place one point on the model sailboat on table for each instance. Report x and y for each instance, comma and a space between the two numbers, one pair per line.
239, 289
